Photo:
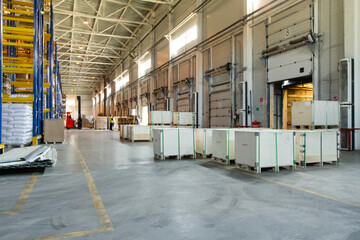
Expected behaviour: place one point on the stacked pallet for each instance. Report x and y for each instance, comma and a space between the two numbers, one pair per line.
101, 123
17, 124
183, 119
317, 147
139, 133
256, 149
160, 118
315, 114
204, 142
174, 142
223, 145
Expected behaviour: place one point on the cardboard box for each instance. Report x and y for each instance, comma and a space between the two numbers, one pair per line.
54, 130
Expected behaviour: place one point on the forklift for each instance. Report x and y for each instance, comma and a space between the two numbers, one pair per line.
70, 123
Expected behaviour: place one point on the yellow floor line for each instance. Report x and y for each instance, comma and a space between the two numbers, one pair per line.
103, 217
284, 184
20, 203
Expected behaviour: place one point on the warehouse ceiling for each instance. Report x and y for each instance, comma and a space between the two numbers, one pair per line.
91, 34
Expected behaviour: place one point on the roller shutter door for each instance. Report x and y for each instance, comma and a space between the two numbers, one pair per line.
290, 57
220, 99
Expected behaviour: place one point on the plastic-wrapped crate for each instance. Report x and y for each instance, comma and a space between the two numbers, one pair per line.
183, 118
317, 146
160, 117
315, 113
174, 142
257, 149
204, 141
17, 124
139, 133
223, 145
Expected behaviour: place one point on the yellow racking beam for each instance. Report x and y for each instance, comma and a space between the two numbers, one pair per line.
25, 65
18, 11
28, 31
17, 99
19, 3
17, 70
17, 58
20, 19
25, 45
18, 37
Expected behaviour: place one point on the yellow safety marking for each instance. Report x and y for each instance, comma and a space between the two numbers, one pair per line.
284, 184
20, 203
103, 217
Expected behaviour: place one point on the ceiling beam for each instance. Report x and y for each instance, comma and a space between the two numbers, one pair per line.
79, 14
87, 62
79, 31
87, 54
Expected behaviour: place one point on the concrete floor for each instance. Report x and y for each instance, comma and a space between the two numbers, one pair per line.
105, 189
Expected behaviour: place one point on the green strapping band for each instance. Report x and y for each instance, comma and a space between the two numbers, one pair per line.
228, 147
259, 167
276, 151
326, 123
194, 142
294, 165
321, 152
179, 143
205, 141
163, 144
304, 150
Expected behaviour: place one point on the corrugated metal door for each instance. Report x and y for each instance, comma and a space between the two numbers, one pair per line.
220, 99
161, 82
286, 38
183, 100
144, 92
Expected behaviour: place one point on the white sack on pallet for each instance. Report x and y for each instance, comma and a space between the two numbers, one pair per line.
17, 121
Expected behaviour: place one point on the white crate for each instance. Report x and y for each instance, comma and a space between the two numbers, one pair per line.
170, 142
123, 131
128, 131
315, 113
204, 141
101, 123
139, 133
317, 146
152, 127
223, 143
160, 117
183, 118
261, 148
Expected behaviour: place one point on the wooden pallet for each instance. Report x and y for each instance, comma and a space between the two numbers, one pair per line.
139, 140
54, 142
223, 161
301, 164
310, 127
176, 157
17, 145
203, 156
254, 169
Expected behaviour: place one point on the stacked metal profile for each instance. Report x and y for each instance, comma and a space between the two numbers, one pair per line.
29, 157
28, 36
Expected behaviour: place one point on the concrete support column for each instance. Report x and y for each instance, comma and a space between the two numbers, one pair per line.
169, 80
248, 60
352, 50
199, 70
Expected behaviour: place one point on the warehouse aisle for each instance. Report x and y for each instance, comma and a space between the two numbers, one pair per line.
105, 189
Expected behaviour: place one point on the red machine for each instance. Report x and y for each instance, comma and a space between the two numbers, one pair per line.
69, 121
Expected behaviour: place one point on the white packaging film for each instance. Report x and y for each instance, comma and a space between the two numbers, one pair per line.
17, 121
